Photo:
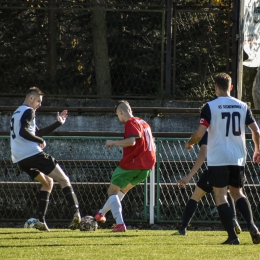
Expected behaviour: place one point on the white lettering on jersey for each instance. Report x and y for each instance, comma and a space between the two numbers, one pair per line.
226, 133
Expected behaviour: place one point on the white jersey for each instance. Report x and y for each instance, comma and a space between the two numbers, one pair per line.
226, 118
22, 148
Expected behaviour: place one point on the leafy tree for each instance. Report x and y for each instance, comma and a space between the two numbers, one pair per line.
104, 48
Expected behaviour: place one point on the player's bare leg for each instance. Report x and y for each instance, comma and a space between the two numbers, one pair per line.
127, 188
197, 194
58, 175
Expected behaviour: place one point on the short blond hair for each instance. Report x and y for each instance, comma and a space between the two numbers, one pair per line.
34, 91
123, 105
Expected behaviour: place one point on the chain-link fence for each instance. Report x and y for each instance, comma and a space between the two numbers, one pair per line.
196, 49
102, 49
174, 163
89, 165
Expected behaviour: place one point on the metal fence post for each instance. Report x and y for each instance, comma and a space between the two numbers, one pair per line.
145, 199
152, 196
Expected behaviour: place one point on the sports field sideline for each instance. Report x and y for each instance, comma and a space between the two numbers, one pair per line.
30, 244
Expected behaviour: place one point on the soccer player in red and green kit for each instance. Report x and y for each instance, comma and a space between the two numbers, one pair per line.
138, 160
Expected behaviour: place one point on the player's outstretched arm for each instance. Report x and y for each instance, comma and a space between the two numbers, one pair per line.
199, 161
61, 118
255, 137
196, 137
123, 143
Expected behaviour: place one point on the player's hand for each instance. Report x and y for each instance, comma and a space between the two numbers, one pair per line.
109, 143
61, 117
43, 145
188, 146
182, 182
256, 157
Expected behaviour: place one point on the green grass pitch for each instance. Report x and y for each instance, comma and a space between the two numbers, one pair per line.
30, 244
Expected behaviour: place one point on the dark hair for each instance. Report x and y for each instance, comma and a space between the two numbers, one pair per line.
124, 105
223, 81
34, 91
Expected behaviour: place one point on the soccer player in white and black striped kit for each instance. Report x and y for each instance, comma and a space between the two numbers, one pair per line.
27, 150
225, 118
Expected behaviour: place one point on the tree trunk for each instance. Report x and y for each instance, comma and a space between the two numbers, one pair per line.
102, 69
52, 48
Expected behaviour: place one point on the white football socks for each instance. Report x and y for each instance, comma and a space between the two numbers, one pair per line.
106, 206
116, 208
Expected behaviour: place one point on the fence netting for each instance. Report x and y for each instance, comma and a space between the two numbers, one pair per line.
103, 49
89, 165
176, 162
197, 50
59, 47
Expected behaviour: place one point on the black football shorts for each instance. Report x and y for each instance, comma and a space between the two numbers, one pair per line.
204, 182
222, 176
41, 162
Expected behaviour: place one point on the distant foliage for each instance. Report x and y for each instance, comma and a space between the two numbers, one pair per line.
136, 44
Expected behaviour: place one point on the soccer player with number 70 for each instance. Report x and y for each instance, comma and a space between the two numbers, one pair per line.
135, 166
226, 119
